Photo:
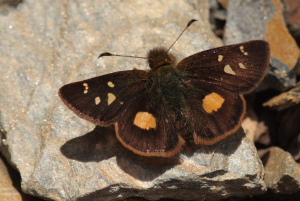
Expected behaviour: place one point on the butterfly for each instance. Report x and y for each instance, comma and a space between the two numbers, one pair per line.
158, 112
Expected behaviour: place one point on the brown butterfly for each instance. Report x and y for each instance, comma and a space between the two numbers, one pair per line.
157, 112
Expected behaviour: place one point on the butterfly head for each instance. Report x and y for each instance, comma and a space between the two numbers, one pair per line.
159, 57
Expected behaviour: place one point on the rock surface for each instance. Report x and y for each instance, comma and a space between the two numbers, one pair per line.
292, 17
248, 20
282, 172
285, 99
62, 157
7, 190
10, 186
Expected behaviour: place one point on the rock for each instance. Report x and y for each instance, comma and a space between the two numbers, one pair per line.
292, 17
256, 130
287, 134
10, 187
4, 3
121, 174
249, 20
292, 12
217, 17
224, 3
62, 157
7, 190
286, 99
282, 172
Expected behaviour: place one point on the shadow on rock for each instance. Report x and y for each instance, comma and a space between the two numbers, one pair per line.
94, 146
226, 146
102, 144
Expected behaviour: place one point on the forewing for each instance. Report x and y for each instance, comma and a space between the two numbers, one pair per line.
214, 113
240, 67
103, 99
149, 127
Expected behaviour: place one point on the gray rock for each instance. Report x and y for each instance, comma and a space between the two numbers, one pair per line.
282, 172
45, 45
6, 3
250, 20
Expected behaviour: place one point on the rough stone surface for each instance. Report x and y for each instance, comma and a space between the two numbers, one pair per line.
10, 186
5, 3
288, 128
292, 17
285, 99
249, 20
282, 172
7, 191
254, 128
45, 45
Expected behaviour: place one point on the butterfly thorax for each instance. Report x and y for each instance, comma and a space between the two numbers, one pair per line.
166, 83
168, 92
159, 57
165, 78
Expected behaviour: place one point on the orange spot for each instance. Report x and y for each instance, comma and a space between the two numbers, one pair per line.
212, 102
144, 120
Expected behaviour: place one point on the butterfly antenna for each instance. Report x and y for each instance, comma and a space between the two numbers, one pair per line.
187, 26
105, 54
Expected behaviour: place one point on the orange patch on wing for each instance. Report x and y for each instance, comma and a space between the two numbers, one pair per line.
154, 153
144, 120
206, 141
212, 102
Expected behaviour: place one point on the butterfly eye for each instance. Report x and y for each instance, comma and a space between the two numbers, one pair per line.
151, 63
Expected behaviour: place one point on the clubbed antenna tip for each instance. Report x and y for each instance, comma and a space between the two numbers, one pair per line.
191, 21
105, 54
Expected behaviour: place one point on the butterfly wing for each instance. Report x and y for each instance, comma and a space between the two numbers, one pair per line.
239, 68
142, 120
215, 81
213, 113
103, 99
149, 127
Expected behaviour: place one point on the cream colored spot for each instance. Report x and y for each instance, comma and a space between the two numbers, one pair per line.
111, 98
220, 58
228, 69
97, 100
212, 102
242, 66
110, 84
243, 51
121, 102
86, 88
144, 120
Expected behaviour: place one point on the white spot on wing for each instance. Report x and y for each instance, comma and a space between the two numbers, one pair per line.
242, 66
97, 100
220, 58
110, 98
110, 84
228, 69
86, 88
243, 51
